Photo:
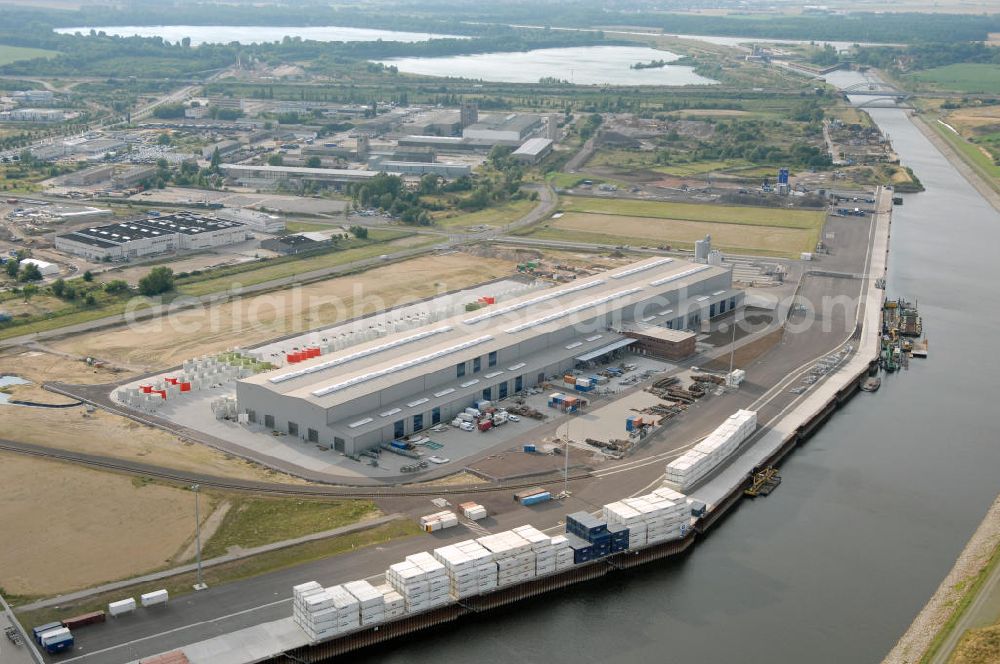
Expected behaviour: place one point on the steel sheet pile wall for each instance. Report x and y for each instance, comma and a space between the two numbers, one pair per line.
470, 567
421, 580
698, 462
656, 517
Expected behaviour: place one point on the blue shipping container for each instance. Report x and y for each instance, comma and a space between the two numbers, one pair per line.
37, 632
399, 445
537, 498
63, 643
529, 448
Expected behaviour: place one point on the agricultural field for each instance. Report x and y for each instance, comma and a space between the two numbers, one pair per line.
115, 527
195, 332
965, 77
9, 54
765, 231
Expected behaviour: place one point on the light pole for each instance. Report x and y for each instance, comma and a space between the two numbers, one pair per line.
200, 585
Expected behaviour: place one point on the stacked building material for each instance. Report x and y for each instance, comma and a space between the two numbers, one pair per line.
434, 573
662, 519
704, 457
323, 613
438, 521
564, 554
483, 562
395, 605
513, 555
370, 600
473, 511
541, 545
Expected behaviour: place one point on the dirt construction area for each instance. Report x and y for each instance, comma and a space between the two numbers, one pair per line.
96, 526
169, 341
100, 432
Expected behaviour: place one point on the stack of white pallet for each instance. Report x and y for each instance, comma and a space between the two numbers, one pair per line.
698, 462
323, 613
663, 518
461, 569
564, 554
514, 557
483, 563
395, 605
410, 581
438, 583
438, 521
541, 545
371, 601
620, 515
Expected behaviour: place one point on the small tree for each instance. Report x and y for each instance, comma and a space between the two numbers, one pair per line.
314, 162
359, 232
28, 291
116, 287
88, 276
11, 268
275, 160
159, 280
29, 272
216, 160
58, 287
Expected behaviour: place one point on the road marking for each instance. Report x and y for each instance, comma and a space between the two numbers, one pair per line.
178, 629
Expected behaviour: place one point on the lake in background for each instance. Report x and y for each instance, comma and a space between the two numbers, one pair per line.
583, 65
256, 34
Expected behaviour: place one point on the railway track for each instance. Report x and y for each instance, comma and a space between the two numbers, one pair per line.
181, 477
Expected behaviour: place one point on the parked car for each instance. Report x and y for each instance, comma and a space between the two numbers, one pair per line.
437, 459
467, 426
514, 418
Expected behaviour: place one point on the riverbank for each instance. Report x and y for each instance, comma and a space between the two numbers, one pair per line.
957, 161
936, 628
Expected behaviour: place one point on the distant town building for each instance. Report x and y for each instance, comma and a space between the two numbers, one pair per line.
34, 115
271, 176
512, 128
533, 150
253, 219
297, 243
469, 113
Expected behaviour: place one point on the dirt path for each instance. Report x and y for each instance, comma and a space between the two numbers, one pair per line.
208, 528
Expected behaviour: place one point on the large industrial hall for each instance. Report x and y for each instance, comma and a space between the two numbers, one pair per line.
360, 397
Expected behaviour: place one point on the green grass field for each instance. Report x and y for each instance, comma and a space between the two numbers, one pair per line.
9, 54
254, 522
495, 216
702, 167
742, 230
962, 78
723, 214
972, 154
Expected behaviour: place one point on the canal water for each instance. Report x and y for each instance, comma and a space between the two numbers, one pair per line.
871, 515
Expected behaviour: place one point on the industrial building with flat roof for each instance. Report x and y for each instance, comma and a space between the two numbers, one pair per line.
262, 175
512, 128
362, 396
181, 231
533, 150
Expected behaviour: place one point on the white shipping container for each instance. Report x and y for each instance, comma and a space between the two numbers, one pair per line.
121, 607
154, 598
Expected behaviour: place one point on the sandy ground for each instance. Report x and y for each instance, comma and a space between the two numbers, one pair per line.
753, 238
232, 255
167, 342
100, 432
98, 526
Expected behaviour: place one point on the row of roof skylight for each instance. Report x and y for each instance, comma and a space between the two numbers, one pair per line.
680, 275
571, 310
337, 361
322, 392
641, 268
535, 300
